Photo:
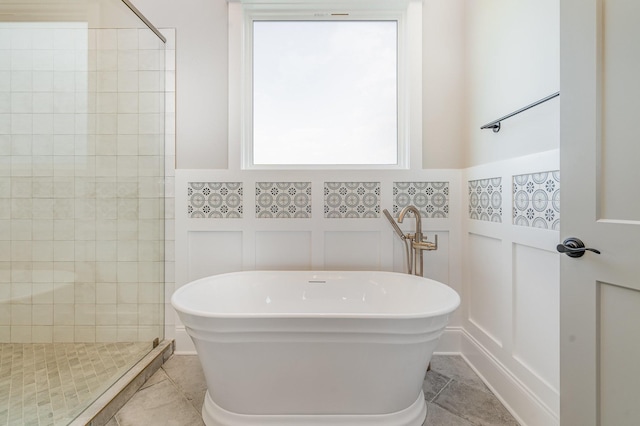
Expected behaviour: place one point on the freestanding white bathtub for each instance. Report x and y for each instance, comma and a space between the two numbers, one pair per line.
314, 348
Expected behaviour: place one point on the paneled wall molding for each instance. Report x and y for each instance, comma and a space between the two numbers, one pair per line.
207, 246
511, 291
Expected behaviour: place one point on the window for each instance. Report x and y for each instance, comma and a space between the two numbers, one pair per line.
323, 90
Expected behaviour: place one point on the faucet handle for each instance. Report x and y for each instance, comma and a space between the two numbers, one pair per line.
426, 245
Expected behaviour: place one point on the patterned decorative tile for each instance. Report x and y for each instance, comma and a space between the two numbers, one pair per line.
536, 200
485, 199
214, 200
431, 198
283, 199
351, 200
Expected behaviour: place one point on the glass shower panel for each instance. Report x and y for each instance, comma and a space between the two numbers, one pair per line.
81, 199
81, 131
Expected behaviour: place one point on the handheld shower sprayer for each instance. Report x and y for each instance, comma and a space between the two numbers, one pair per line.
404, 239
394, 224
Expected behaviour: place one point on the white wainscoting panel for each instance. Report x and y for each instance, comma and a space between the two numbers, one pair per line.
435, 262
488, 294
536, 314
346, 250
283, 250
214, 252
511, 286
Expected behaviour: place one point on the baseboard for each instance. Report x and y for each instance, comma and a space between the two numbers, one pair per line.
527, 409
184, 344
450, 341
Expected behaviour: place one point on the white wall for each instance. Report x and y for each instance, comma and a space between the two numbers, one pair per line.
513, 52
481, 59
201, 79
444, 84
511, 279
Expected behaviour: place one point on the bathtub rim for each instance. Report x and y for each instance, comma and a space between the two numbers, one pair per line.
181, 308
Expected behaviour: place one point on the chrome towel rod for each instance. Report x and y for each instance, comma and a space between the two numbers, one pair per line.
495, 125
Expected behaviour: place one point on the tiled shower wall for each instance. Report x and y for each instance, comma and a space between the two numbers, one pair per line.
81, 184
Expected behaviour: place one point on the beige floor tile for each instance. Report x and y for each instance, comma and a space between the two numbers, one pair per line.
186, 372
157, 377
455, 367
433, 384
160, 405
474, 405
437, 416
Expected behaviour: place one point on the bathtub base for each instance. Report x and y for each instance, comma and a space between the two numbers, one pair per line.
414, 415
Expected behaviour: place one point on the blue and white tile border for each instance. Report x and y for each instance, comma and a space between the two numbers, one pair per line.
431, 198
485, 199
283, 200
536, 200
346, 200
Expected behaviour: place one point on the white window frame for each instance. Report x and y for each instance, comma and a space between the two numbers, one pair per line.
366, 10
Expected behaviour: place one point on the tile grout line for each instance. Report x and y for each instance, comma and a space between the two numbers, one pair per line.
440, 391
179, 389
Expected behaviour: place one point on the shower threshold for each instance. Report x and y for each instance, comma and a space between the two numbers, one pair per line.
114, 398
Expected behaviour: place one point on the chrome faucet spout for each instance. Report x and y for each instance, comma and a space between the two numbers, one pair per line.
416, 214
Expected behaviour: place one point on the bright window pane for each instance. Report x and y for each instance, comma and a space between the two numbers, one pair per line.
325, 92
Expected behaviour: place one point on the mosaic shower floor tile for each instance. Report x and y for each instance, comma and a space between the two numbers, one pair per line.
51, 383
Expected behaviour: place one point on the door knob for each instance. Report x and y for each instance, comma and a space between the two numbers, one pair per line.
574, 247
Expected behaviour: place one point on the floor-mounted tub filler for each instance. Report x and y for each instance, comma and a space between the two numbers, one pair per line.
314, 348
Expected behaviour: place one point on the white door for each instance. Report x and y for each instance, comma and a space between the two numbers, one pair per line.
600, 172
